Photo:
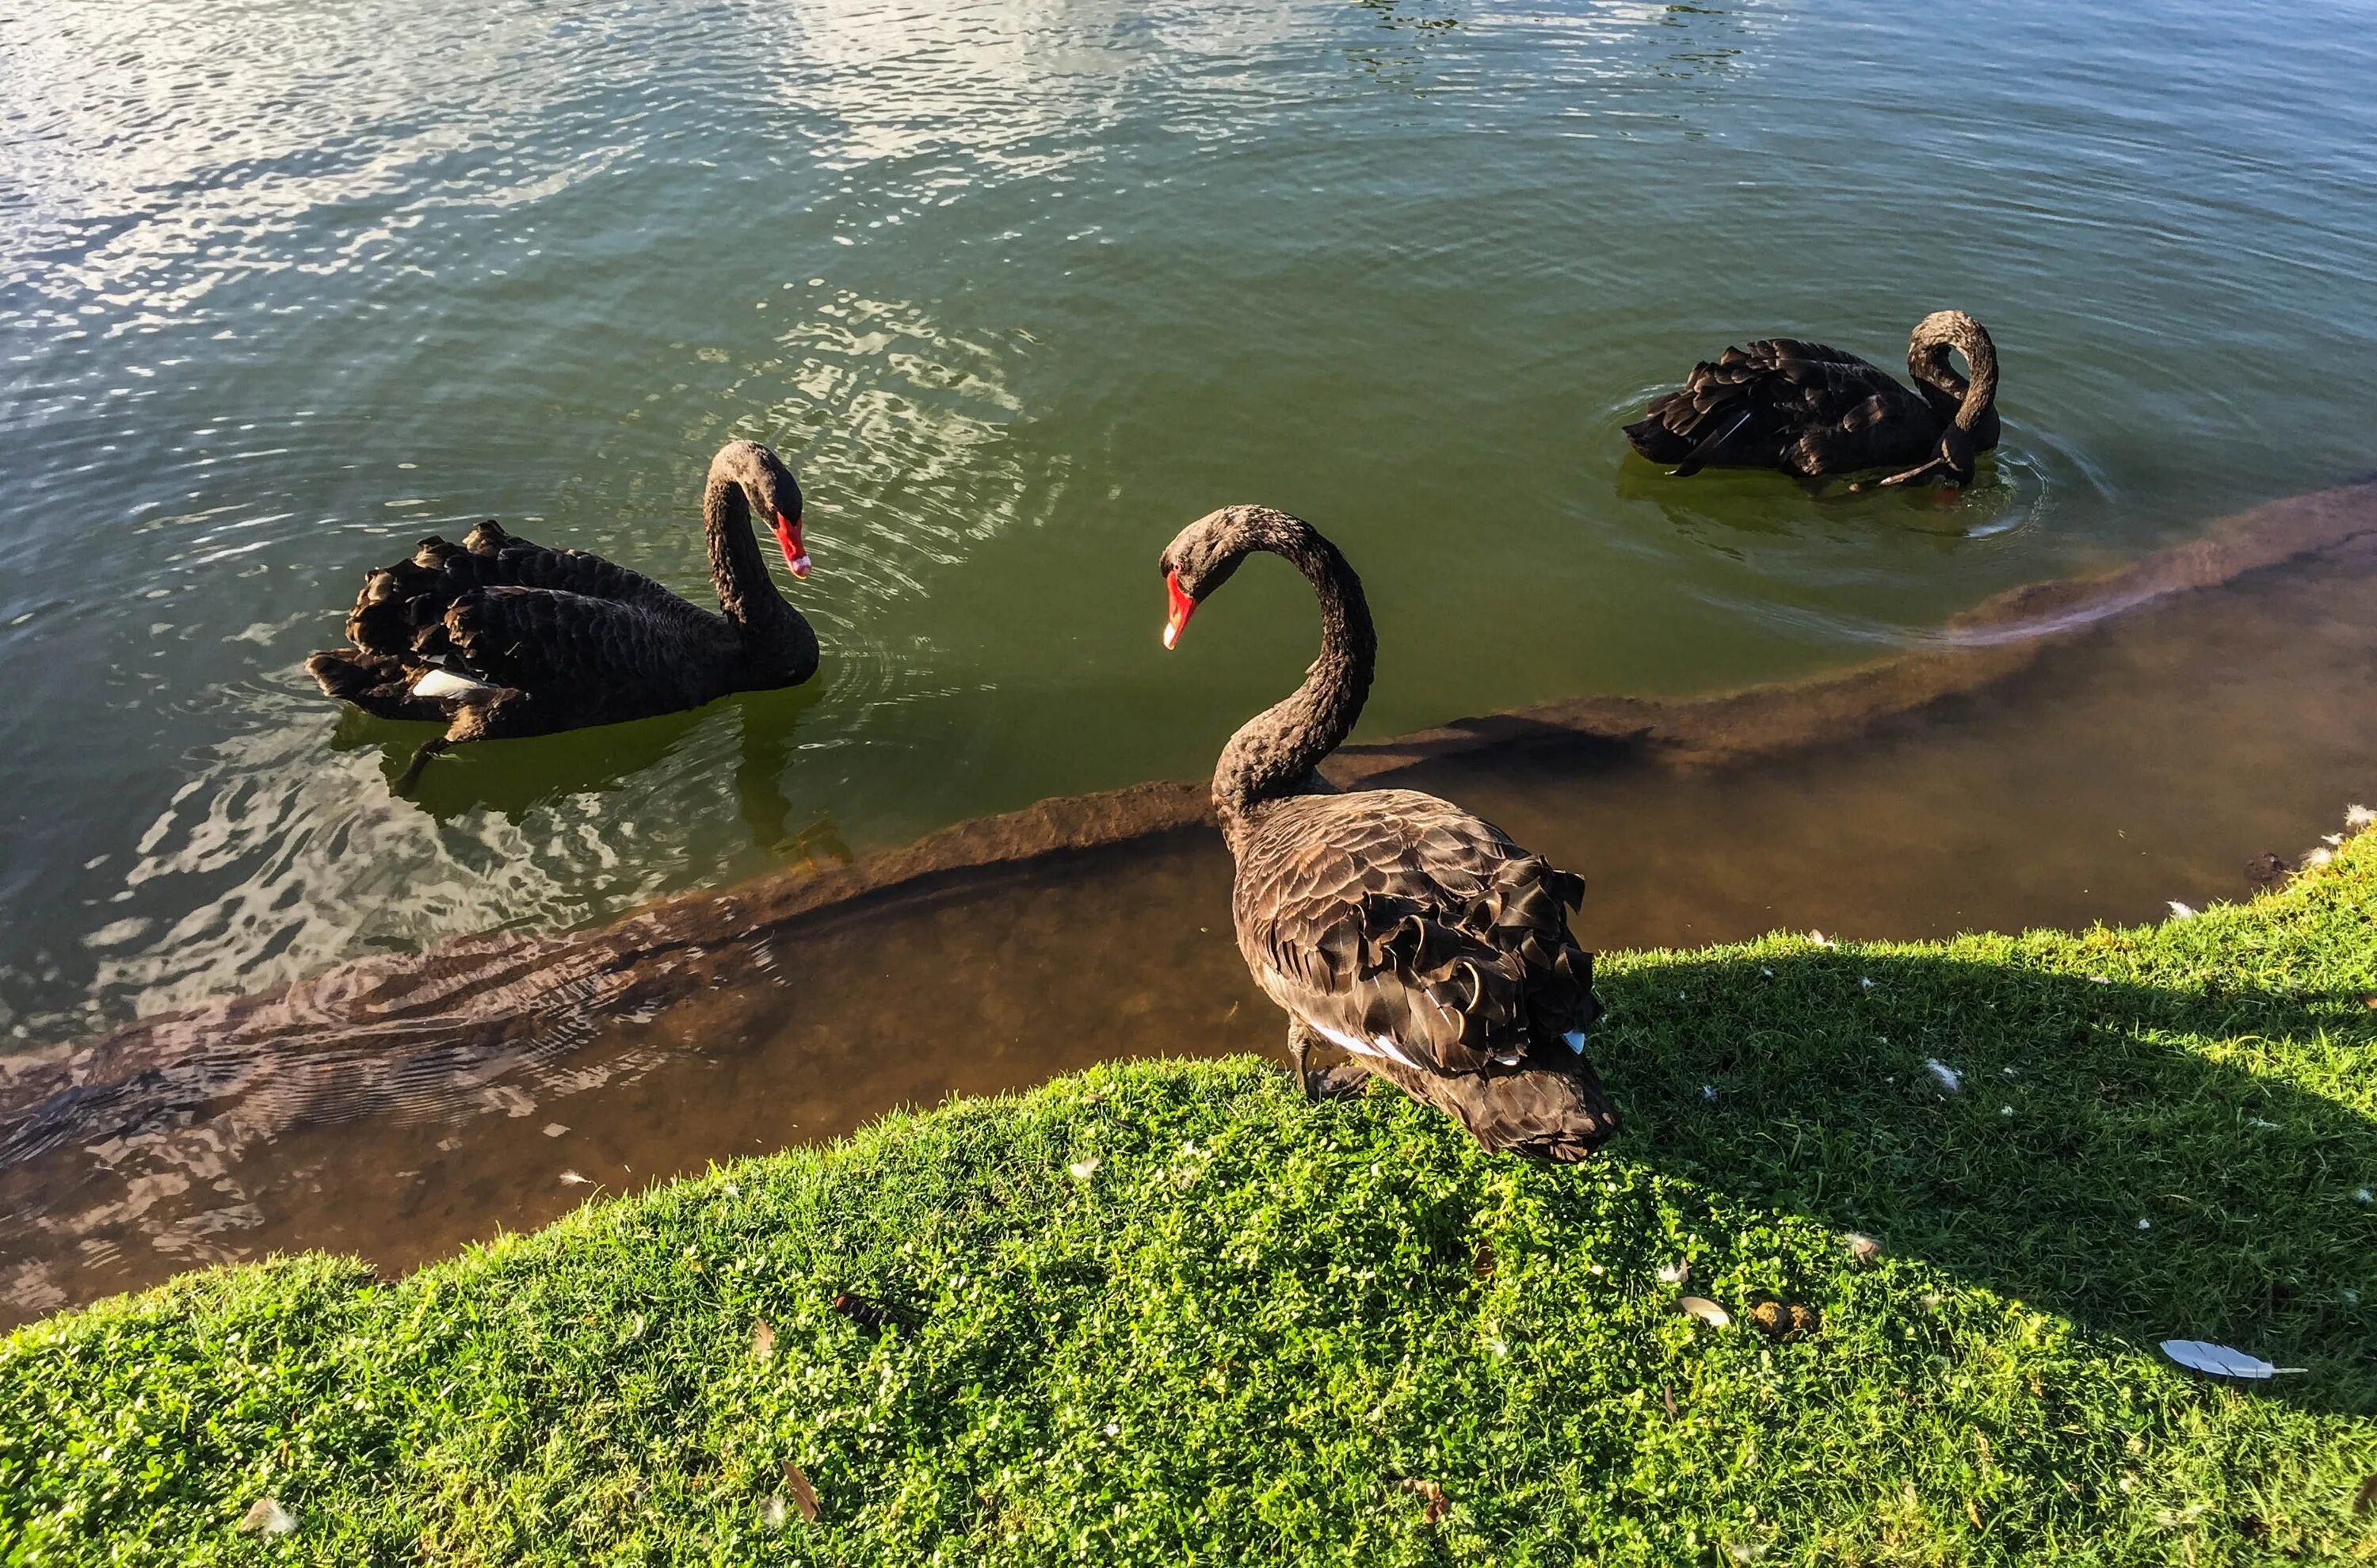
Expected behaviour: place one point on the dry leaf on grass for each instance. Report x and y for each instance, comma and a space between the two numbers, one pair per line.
2220, 1360
796, 1481
763, 1341
1667, 1397
1481, 1262
1862, 1247
1705, 1310
264, 1517
1430, 1494
1783, 1319
2366, 1501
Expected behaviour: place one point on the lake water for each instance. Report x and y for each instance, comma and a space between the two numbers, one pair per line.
1019, 288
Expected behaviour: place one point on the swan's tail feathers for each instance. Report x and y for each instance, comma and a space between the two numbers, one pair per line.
1701, 455
1656, 440
379, 684
1555, 1111
399, 604
487, 539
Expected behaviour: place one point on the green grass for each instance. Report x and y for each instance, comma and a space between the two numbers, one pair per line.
1256, 1322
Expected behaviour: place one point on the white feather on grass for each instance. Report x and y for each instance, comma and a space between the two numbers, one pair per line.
2220, 1360
264, 1517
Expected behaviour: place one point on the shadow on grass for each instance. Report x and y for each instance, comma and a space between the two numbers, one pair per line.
2121, 1153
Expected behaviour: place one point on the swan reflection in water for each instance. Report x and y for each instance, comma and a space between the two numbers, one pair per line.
514, 781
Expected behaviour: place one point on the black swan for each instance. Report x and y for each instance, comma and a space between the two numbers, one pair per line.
1394, 924
497, 638
1814, 410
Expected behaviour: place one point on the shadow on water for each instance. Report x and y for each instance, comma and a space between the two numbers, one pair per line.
515, 778
2080, 1116
1724, 508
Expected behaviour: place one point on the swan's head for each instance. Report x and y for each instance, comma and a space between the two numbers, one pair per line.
1202, 556
1950, 463
1953, 456
772, 492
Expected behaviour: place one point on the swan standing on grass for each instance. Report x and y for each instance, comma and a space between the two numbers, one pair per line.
1394, 924
1815, 412
496, 638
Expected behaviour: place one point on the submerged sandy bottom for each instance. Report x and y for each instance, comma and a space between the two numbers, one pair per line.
2069, 753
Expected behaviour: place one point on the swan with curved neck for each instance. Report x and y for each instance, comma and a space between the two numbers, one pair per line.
1275, 753
1816, 411
1419, 939
498, 638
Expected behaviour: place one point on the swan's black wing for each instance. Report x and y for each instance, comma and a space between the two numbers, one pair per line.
1400, 926
1782, 402
403, 603
603, 658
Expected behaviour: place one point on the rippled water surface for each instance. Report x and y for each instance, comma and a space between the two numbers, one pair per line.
1019, 287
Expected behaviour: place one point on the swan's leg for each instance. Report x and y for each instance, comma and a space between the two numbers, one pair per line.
420, 760
1299, 1042
505, 713
1936, 465
1952, 461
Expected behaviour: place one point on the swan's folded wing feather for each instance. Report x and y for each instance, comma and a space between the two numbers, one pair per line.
540, 640
400, 606
497, 559
1754, 401
1399, 922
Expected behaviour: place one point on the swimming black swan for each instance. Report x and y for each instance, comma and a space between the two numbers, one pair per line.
1814, 410
498, 638
1392, 924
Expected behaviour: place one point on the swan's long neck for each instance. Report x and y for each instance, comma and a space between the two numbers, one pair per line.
1275, 753
1926, 361
745, 590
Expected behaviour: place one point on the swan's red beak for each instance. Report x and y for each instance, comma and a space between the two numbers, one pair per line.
1183, 607
788, 534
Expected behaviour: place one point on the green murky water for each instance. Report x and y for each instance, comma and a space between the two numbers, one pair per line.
1019, 288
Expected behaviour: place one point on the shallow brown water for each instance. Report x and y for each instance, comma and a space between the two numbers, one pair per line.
2006, 778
